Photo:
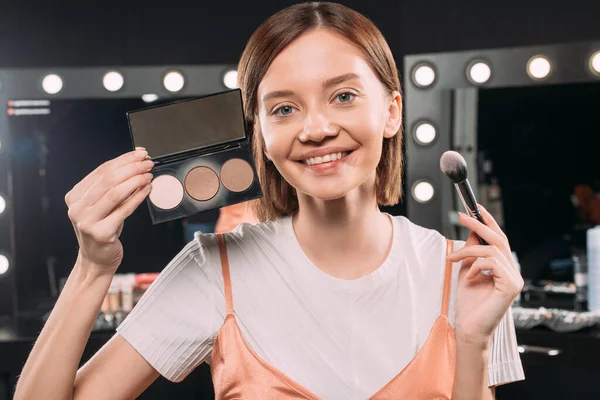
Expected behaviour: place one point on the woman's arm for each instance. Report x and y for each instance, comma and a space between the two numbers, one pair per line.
471, 378
98, 205
51, 369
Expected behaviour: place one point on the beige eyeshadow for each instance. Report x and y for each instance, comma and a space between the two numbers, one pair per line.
237, 175
166, 192
202, 183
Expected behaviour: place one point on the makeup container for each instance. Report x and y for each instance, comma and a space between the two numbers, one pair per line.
114, 295
127, 285
142, 283
201, 154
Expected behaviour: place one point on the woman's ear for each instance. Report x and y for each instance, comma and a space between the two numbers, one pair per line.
394, 120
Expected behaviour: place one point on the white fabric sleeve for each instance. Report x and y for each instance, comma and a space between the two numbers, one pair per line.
174, 324
504, 361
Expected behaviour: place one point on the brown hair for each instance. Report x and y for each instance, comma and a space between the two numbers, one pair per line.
272, 36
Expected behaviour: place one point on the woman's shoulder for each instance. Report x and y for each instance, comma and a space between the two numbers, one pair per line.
421, 244
415, 234
244, 235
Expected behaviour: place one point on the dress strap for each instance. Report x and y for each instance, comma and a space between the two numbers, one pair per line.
447, 278
226, 275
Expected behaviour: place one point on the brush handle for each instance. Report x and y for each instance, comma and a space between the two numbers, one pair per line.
477, 215
468, 199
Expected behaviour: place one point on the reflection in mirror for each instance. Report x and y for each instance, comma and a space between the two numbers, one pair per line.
538, 171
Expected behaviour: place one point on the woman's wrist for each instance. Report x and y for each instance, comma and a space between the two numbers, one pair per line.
471, 341
89, 270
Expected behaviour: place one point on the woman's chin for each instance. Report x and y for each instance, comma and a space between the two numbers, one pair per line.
327, 193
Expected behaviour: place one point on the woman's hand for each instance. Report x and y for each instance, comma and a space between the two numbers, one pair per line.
99, 204
482, 300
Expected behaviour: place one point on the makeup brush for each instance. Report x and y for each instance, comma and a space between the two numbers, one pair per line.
454, 166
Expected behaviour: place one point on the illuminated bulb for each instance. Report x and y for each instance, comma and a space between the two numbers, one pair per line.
3, 264
595, 62
52, 84
230, 79
423, 192
480, 72
424, 75
2, 204
113, 81
425, 133
149, 98
173, 81
538, 67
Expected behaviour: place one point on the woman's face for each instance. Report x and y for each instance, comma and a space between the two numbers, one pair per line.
323, 114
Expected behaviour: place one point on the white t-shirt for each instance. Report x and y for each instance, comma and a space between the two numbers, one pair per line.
340, 339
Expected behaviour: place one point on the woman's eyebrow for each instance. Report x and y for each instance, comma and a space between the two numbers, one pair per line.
326, 84
276, 94
339, 79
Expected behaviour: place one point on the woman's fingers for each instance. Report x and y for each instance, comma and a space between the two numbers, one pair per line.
484, 264
506, 279
114, 177
483, 231
117, 195
116, 218
81, 188
479, 251
491, 222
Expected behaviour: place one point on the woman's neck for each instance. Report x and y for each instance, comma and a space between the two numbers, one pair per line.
346, 238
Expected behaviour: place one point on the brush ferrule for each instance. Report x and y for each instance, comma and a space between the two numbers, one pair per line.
468, 198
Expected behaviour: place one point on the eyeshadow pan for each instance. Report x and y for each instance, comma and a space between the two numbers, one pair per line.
237, 175
166, 192
202, 183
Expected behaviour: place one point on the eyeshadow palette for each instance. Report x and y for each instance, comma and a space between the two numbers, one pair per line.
201, 154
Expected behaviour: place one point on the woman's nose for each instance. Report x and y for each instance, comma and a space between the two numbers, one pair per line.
317, 127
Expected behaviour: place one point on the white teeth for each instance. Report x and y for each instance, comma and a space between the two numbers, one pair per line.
326, 158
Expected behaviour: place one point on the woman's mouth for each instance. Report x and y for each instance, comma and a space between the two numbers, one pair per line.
326, 164
326, 158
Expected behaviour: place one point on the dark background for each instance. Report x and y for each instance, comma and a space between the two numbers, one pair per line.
78, 135
138, 32
542, 142
113, 33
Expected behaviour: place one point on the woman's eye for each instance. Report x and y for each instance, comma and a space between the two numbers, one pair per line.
345, 97
283, 111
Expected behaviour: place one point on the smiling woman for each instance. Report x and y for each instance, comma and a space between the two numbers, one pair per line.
363, 62
328, 297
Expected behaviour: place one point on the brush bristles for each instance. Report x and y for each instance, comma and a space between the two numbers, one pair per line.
454, 166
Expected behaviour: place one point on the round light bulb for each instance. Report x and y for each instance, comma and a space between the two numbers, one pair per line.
4, 264
539, 67
595, 62
113, 81
149, 98
2, 204
173, 81
52, 84
480, 72
425, 133
230, 79
423, 191
424, 75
